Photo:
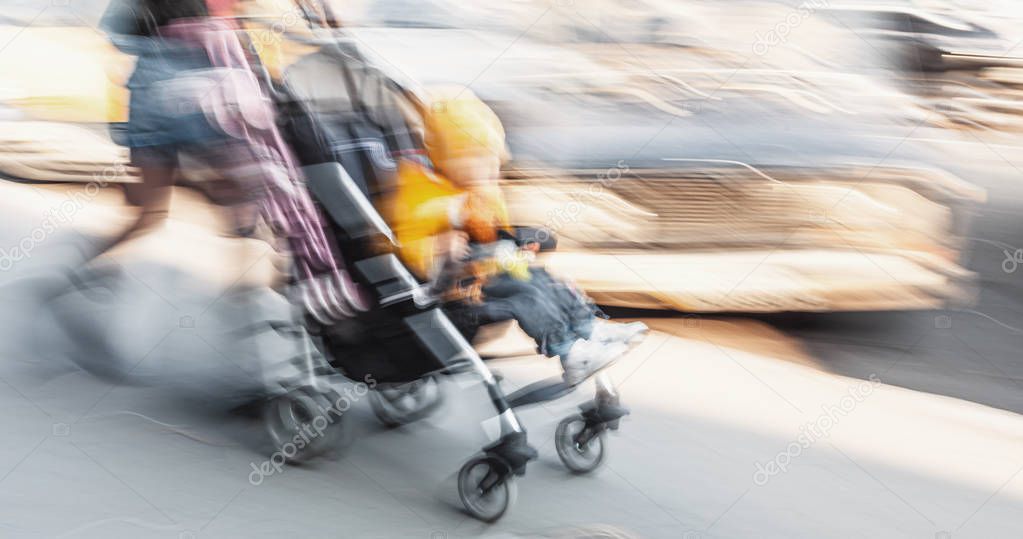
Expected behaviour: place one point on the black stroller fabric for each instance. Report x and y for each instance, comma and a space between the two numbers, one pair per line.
337, 108
342, 109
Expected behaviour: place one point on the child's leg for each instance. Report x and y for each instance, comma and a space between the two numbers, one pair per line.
584, 318
539, 315
577, 309
508, 298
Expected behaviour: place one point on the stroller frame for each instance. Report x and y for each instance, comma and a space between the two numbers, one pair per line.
403, 307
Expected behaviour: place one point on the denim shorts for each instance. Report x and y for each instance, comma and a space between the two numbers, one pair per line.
158, 123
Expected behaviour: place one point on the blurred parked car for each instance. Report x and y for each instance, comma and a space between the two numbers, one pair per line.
678, 177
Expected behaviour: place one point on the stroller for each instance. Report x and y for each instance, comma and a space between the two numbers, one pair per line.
405, 341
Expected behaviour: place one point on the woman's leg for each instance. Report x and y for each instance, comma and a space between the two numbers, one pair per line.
152, 196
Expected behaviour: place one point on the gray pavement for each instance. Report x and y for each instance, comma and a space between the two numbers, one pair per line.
708, 451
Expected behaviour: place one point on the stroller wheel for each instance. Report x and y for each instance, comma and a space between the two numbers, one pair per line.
301, 427
580, 446
486, 487
402, 404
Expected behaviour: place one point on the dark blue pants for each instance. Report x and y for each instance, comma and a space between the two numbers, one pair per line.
547, 310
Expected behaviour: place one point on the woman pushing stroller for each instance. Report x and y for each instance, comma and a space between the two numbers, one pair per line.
441, 213
195, 96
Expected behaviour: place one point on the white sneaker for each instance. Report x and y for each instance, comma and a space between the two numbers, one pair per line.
586, 357
606, 331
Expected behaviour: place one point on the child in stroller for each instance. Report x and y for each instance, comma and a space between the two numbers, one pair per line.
437, 213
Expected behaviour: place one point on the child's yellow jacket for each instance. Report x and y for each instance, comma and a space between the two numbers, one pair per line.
422, 207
